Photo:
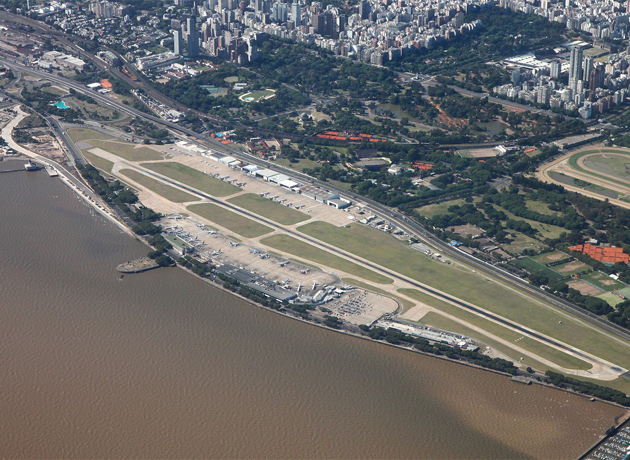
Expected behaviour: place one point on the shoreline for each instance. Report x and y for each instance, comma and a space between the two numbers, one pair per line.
110, 216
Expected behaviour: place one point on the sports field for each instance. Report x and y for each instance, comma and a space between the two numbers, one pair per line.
532, 266
269, 209
385, 250
230, 220
193, 178
168, 192
610, 298
256, 96
299, 248
602, 281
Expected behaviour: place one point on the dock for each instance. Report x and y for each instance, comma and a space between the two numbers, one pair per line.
52, 172
137, 265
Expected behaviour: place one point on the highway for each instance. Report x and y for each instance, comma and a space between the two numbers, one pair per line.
406, 223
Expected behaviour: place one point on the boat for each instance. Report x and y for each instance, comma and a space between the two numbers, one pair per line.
30, 166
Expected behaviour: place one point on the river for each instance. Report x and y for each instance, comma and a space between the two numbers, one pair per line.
161, 365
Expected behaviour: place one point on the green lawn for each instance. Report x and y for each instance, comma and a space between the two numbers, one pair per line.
535, 267
83, 134
300, 165
98, 162
269, 209
603, 281
257, 95
573, 163
168, 192
193, 178
540, 207
127, 151
551, 256
230, 220
434, 319
385, 250
611, 298
571, 268
439, 208
544, 351
299, 248
545, 230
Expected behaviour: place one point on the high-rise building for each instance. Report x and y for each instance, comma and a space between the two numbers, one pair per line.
516, 77
193, 37
575, 64
587, 67
555, 69
296, 13
178, 43
364, 9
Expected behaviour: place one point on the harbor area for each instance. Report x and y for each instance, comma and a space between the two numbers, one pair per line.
617, 447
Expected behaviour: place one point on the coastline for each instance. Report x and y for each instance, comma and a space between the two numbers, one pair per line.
111, 216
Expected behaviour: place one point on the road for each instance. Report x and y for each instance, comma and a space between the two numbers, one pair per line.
412, 227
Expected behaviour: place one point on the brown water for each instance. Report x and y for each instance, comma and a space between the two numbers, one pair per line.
160, 365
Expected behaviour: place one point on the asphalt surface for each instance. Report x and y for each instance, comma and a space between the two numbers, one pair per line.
396, 218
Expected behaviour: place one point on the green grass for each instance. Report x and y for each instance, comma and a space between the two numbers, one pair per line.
83, 134
385, 250
98, 162
193, 178
540, 207
299, 248
611, 298
603, 281
299, 165
545, 230
269, 209
257, 95
436, 320
127, 151
232, 79
535, 267
573, 163
406, 304
520, 242
168, 192
613, 165
439, 208
551, 256
544, 351
230, 220
580, 267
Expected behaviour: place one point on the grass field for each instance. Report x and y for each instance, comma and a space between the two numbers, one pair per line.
230, 220
299, 248
556, 356
611, 298
168, 192
98, 162
439, 208
573, 163
548, 257
624, 292
520, 242
300, 165
535, 267
603, 281
441, 322
127, 151
385, 250
540, 207
545, 230
611, 165
257, 95
269, 209
571, 268
193, 178
83, 134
